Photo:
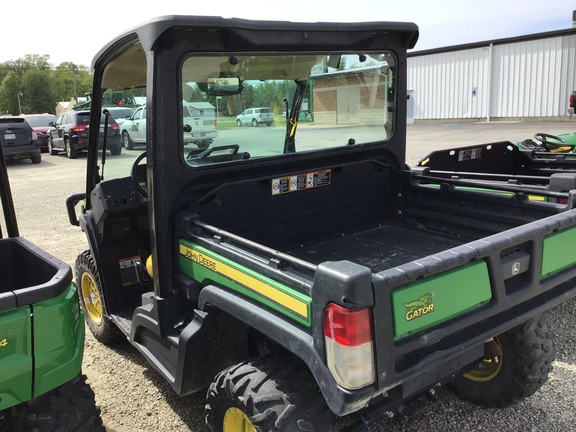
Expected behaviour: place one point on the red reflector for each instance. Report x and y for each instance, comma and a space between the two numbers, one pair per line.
563, 200
80, 128
350, 327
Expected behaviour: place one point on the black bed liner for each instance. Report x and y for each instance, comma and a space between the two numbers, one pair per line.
379, 248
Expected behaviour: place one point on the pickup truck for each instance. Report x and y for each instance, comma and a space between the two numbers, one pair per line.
302, 272
199, 119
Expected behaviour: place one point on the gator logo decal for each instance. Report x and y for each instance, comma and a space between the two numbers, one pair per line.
419, 307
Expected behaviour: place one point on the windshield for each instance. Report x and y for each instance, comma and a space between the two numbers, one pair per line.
284, 104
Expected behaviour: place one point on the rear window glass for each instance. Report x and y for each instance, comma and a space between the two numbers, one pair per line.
39, 121
263, 110
11, 120
84, 118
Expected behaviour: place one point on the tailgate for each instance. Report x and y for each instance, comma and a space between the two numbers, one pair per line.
15, 136
437, 311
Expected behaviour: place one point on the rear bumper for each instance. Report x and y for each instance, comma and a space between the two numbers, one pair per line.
24, 151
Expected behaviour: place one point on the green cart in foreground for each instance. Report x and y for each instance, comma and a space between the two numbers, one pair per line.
41, 337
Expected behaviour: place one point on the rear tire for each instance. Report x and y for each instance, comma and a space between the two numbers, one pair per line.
70, 152
526, 360
70, 407
116, 150
93, 303
266, 395
36, 159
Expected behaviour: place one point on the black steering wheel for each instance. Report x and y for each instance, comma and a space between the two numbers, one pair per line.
137, 176
551, 142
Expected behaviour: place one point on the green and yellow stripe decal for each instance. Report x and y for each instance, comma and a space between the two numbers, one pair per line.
207, 267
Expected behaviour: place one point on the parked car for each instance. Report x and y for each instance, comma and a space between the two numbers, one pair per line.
133, 130
19, 140
41, 123
70, 134
572, 103
199, 121
120, 114
255, 117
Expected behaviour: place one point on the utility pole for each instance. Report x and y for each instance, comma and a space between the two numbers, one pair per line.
74, 81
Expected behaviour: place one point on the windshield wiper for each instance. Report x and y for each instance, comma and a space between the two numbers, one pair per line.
292, 119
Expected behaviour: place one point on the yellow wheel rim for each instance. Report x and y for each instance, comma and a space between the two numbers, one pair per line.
91, 298
489, 369
235, 420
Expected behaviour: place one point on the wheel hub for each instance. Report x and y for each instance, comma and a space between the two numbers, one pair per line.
491, 364
235, 420
92, 300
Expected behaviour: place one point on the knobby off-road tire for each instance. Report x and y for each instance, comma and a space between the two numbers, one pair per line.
68, 408
527, 355
93, 302
272, 395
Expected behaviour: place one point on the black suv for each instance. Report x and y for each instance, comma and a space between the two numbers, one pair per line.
70, 134
19, 140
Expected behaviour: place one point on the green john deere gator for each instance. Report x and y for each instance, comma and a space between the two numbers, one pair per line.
301, 274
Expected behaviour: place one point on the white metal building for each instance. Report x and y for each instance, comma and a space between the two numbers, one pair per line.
522, 77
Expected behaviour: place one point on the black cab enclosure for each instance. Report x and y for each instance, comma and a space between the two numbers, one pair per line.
304, 260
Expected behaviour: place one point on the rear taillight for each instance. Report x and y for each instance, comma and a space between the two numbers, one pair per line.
215, 124
349, 348
571, 100
79, 128
115, 126
34, 135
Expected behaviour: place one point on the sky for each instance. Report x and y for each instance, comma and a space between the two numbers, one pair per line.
77, 34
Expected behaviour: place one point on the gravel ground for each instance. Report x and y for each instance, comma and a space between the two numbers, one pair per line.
133, 397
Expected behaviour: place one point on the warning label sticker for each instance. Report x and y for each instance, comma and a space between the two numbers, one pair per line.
302, 181
128, 270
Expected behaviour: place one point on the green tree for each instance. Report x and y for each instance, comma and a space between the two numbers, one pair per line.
10, 89
37, 92
70, 80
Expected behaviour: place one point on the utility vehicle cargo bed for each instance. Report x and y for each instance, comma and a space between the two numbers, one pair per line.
28, 274
380, 248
